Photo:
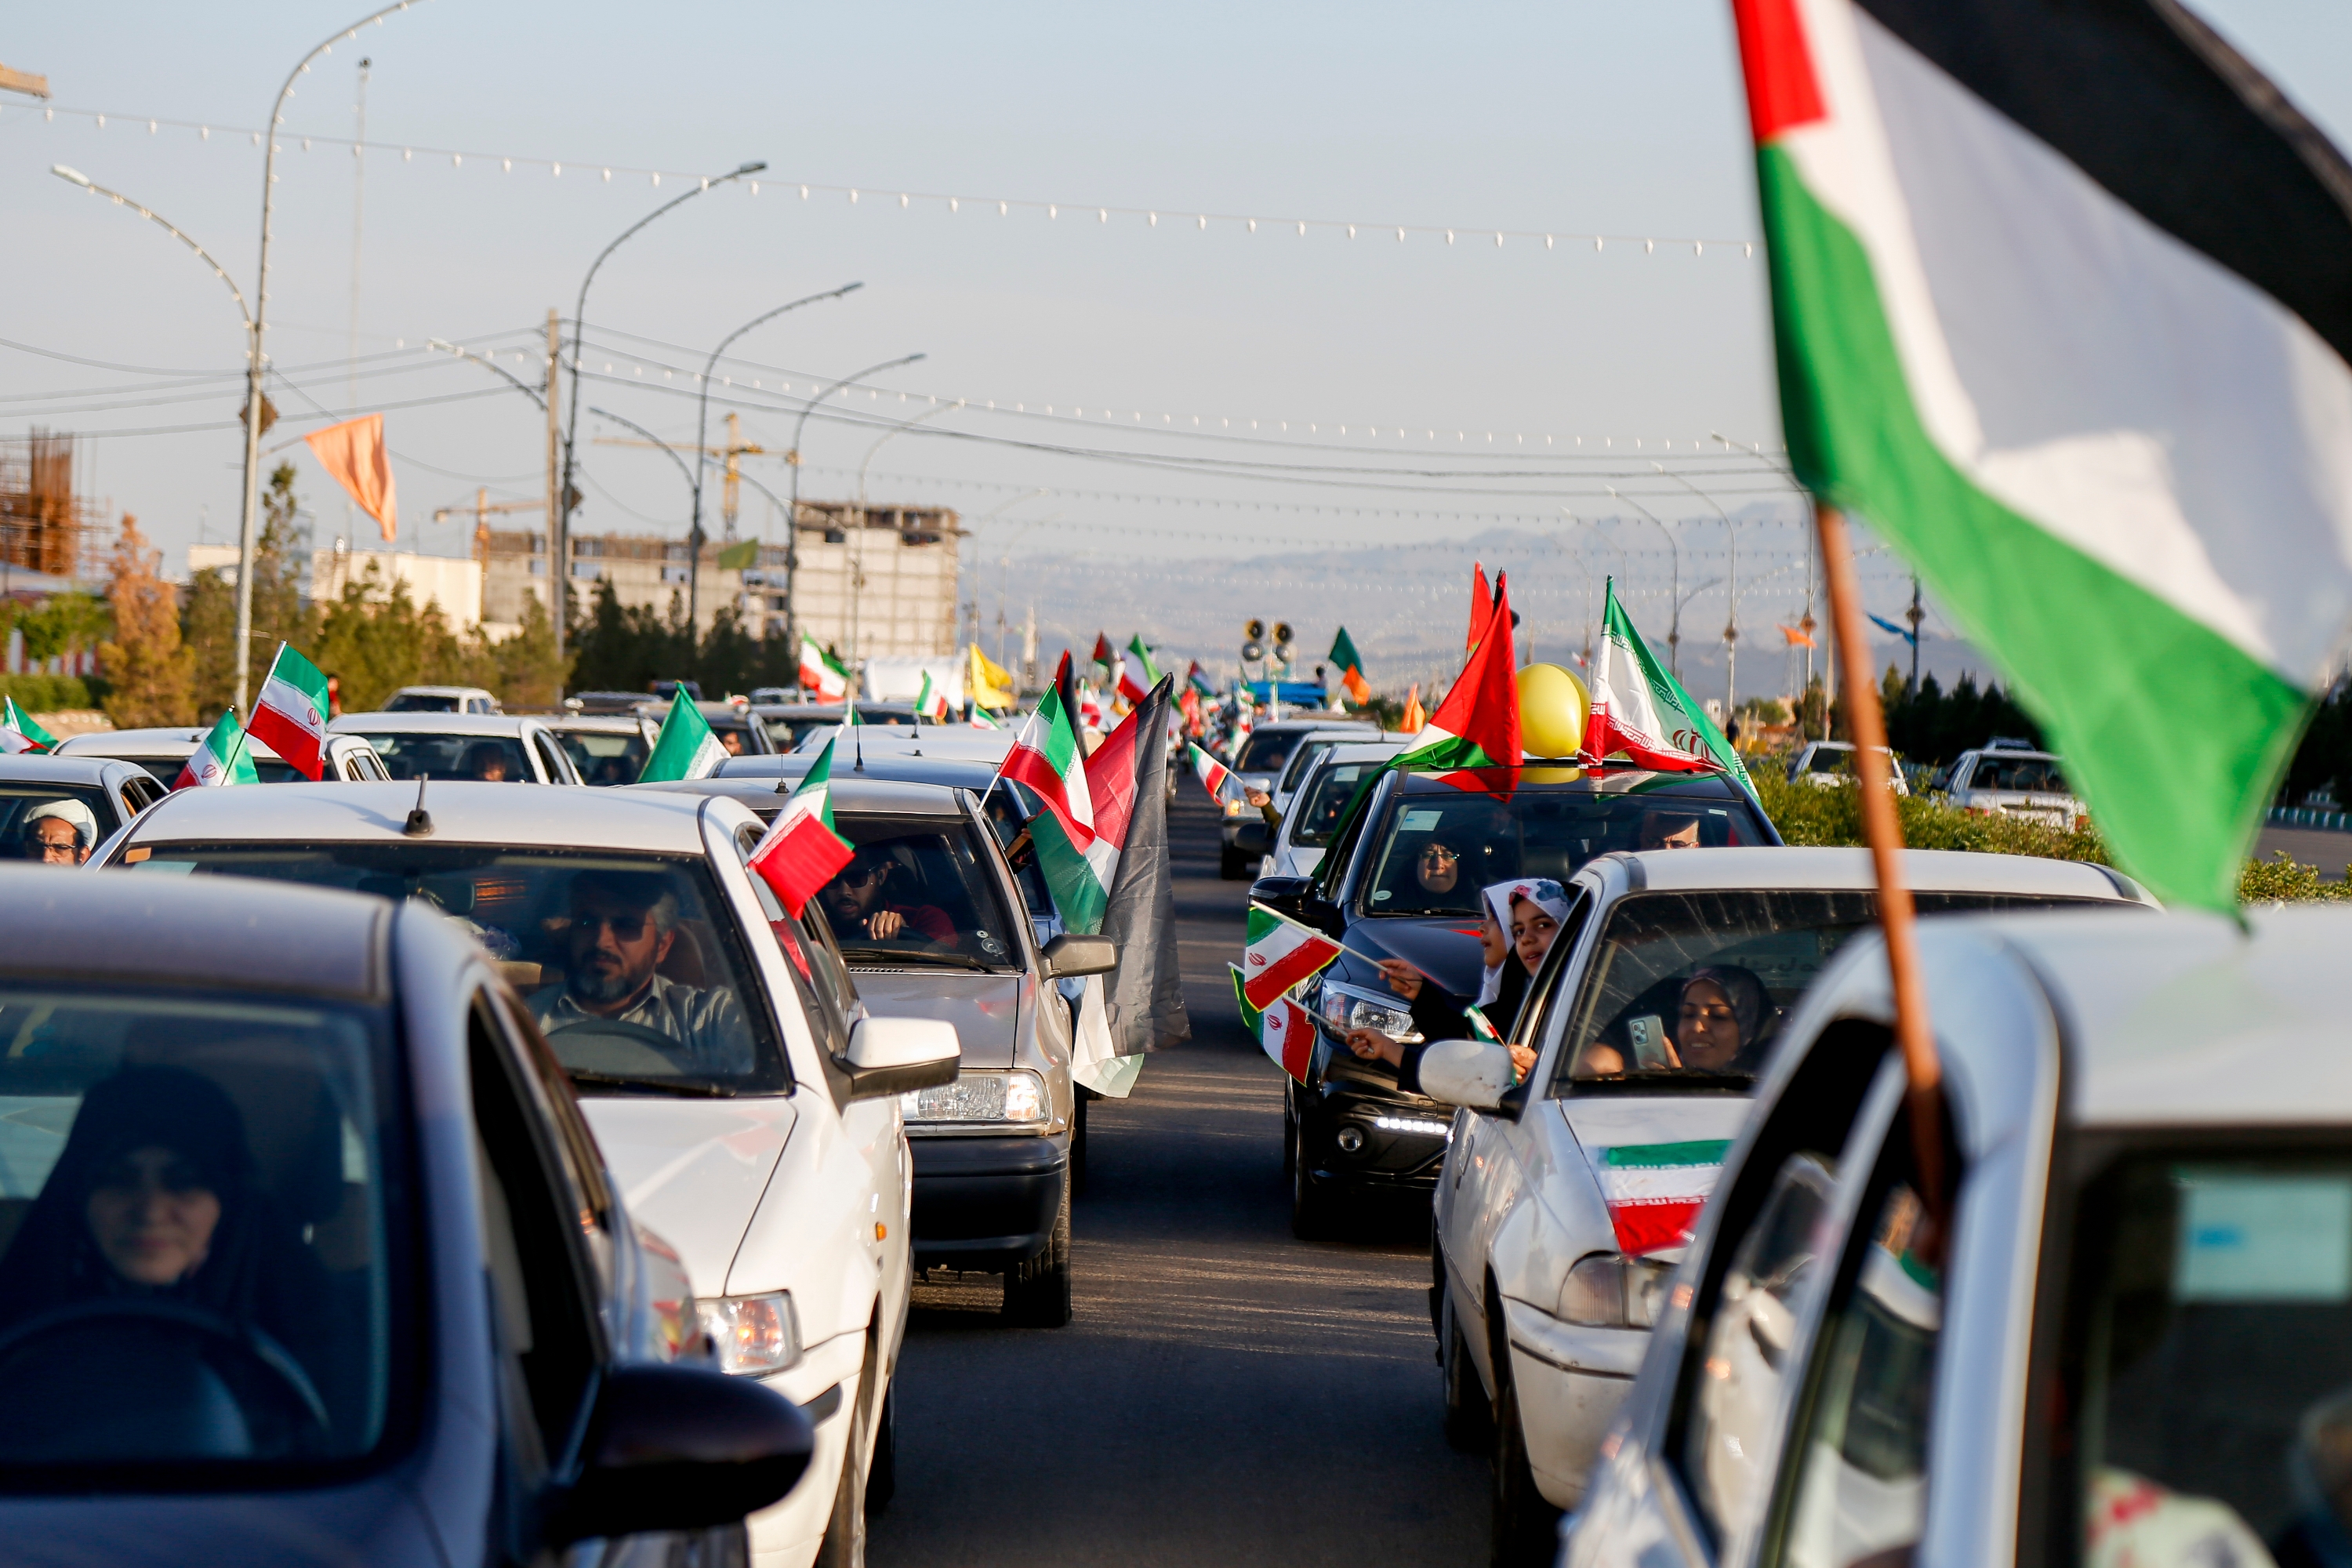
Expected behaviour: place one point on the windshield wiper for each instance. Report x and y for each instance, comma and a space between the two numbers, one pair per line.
684, 1088
897, 955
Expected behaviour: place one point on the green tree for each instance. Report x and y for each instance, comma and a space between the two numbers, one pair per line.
525, 670
374, 638
63, 624
151, 673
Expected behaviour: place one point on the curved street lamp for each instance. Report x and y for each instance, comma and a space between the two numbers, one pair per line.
1675, 593
792, 516
559, 526
702, 435
858, 551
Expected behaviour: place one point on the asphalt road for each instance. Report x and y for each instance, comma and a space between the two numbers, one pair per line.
1227, 1395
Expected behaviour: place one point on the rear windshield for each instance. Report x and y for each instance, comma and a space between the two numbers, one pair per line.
1265, 754
20, 840
604, 757
1316, 815
2037, 774
632, 964
1436, 849
197, 1209
917, 892
1689, 989
421, 703
166, 771
487, 759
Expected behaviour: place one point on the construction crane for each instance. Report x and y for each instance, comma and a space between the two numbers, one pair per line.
735, 449
482, 508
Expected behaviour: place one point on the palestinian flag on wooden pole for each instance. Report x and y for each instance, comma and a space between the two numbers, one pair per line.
1482, 605
19, 733
1350, 668
1281, 953
1641, 710
1144, 994
2062, 296
822, 678
802, 851
289, 717
686, 749
221, 758
1047, 759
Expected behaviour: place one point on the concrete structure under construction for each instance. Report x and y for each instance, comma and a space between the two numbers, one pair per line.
879, 579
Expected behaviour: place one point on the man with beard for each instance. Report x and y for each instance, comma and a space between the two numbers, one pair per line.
623, 925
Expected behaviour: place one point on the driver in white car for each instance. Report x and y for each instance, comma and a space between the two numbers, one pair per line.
623, 928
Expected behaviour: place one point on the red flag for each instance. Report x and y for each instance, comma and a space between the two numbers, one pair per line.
354, 456
1479, 722
1482, 603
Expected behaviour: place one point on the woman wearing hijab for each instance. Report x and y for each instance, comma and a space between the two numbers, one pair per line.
155, 1198
1720, 1023
1523, 917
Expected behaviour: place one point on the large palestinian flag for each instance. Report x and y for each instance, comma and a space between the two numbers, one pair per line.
1478, 725
2063, 295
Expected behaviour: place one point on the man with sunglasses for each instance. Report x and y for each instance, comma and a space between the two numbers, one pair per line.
623, 925
858, 903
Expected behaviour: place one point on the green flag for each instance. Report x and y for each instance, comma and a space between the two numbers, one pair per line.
739, 555
18, 732
686, 749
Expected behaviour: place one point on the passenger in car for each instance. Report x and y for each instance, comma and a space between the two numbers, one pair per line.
857, 901
1719, 1025
1669, 830
624, 926
486, 761
59, 833
1528, 913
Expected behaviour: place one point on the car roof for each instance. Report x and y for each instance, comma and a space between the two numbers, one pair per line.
1358, 752
891, 796
431, 723
1927, 870
89, 768
157, 743
600, 723
1568, 776
213, 931
445, 690
524, 816
2011, 751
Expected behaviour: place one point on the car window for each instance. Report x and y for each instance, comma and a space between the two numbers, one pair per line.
198, 1193
1266, 751
2207, 1343
1316, 815
1433, 851
2039, 775
1301, 759
550, 761
1688, 989
1009, 818
19, 800
604, 757
631, 964
420, 702
918, 891
492, 759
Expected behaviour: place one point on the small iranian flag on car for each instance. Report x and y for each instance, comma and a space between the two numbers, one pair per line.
1288, 1035
930, 702
1213, 773
1282, 952
1654, 1191
222, 758
802, 851
290, 716
18, 732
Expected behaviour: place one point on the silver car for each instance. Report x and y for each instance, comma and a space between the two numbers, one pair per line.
112, 791
2011, 781
164, 752
493, 748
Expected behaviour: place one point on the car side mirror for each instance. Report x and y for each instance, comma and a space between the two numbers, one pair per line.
891, 1056
1466, 1072
1286, 895
1070, 955
1250, 837
675, 1447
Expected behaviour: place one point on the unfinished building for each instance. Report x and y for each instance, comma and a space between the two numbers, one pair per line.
44, 526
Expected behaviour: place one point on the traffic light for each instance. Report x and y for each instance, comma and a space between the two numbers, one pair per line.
1282, 631
1254, 632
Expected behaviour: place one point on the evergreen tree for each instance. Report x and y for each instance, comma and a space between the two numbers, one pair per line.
151, 673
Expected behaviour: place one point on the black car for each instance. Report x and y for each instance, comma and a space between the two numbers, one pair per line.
1402, 880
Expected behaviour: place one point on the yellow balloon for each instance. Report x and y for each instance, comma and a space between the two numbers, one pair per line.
1553, 706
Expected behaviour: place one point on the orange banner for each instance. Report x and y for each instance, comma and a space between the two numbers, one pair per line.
353, 455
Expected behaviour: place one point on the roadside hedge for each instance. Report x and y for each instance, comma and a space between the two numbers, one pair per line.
53, 693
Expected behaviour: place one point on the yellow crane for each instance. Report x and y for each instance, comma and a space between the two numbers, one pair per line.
735, 449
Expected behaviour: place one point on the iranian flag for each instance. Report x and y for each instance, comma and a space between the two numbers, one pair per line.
1478, 725
1046, 758
823, 679
1641, 710
1286, 1032
1214, 774
289, 717
930, 702
18, 732
802, 852
1654, 1191
686, 749
1106, 657
1281, 953
982, 720
2063, 296
1350, 667
1135, 681
221, 758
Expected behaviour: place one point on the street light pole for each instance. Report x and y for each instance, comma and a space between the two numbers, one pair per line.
793, 520
1674, 542
559, 537
259, 326
702, 435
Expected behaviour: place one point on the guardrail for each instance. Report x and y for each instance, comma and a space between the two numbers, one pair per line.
2308, 816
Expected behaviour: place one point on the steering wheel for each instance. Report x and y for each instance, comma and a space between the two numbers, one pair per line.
612, 1045
149, 1373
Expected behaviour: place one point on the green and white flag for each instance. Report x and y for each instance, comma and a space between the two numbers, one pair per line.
1639, 709
220, 758
686, 748
19, 733
2063, 302
1078, 863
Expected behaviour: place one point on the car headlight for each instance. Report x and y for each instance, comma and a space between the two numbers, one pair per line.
1238, 807
754, 1335
1018, 1096
1609, 1290
1346, 1008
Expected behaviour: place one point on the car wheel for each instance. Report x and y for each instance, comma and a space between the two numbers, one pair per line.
882, 1474
1526, 1528
1038, 1293
1311, 1208
1469, 1416
1232, 864
843, 1545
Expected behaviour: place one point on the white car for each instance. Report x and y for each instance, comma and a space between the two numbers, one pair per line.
1312, 815
2126, 1336
1828, 763
1565, 1202
2011, 781
748, 1108
164, 752
442, 699
494, 748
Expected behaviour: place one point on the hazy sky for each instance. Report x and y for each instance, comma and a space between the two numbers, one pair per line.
1623, 119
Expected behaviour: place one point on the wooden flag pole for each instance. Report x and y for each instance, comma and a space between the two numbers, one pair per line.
1882, 829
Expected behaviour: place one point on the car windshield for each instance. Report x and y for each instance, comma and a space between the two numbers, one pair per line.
2210, 1347
606, 756
195, 1200
1437, 847
918, 891
23, 806
166, 771
422, 703
1316, 815
2041, 775
488, 759
632, 964
1303, 759
1266, 751
1689, 989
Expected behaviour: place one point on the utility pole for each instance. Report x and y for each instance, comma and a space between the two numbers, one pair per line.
359, 210
1915, 616
559, 565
